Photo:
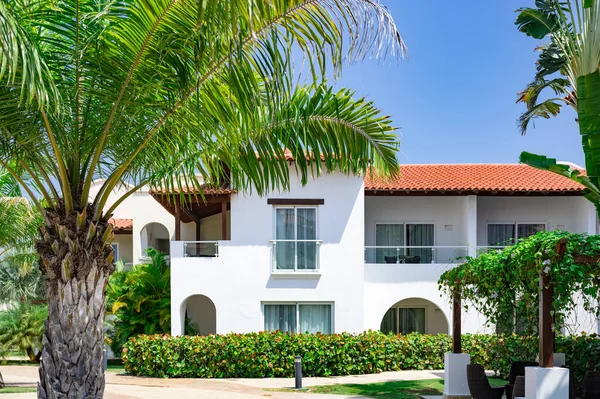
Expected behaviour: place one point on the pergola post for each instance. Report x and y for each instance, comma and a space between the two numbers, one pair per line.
224, 220
456, 322
456, 362
546, 322
177, 221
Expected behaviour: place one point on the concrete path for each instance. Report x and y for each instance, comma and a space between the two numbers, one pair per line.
120, 386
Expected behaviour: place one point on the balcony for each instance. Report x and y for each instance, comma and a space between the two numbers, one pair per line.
200, 249
300, 257
416, 254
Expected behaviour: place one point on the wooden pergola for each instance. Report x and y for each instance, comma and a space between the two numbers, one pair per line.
546, 332
193, 206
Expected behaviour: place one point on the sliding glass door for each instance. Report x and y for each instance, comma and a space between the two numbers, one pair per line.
401, 237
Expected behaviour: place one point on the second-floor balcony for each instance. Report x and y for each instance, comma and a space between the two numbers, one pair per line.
415, 254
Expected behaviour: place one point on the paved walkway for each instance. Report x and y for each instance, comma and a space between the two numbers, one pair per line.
120, 386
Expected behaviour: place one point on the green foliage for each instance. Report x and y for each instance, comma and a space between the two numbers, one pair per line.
271, 354
139, 301
22, 327
500, 283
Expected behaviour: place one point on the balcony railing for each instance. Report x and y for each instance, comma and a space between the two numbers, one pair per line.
295, 256
201, 249
416, 254
482, 249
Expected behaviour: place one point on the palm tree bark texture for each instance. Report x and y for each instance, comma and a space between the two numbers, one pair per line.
76, 256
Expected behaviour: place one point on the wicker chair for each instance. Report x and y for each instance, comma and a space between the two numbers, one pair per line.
518, 389
479, 386
516, 369
391, 259
591, 385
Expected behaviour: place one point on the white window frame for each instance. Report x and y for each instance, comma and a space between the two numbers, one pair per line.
516, 224
116, 251
397, 308
274, 241
297, 304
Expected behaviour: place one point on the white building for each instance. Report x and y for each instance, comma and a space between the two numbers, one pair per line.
343, 253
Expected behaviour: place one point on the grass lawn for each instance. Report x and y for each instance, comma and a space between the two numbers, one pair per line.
115, 368
390, 390
16, 390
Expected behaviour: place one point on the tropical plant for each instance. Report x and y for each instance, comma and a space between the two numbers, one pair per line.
154, 92
568, 65
140, 300
22, 327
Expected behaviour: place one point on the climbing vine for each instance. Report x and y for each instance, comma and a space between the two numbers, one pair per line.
504, 284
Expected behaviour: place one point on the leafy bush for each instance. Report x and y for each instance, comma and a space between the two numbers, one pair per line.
139, 301
22, 328
271, 354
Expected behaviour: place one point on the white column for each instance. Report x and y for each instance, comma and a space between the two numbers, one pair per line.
472, 224
455, 376
592, 221
546, 383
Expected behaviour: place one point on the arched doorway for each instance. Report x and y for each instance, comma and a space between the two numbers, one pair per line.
414, 315
199, 316
155, 235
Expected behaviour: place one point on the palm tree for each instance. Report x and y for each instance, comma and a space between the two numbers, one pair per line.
153, 92
568, 65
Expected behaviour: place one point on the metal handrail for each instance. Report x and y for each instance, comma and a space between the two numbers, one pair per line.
400, 248
317, 268
214, 243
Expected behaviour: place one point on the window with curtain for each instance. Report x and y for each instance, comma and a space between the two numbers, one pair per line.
503, 234
420, 235
403, 321
388, 235
280, 317
296, 237
403, 236
299, 318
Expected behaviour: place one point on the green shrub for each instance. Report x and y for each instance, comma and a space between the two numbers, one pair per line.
271, 354
138, 301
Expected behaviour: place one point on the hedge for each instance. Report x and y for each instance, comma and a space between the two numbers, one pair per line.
271, 354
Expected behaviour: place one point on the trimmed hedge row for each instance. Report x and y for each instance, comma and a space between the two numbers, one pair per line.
271, 354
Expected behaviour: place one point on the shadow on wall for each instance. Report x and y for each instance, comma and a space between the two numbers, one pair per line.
308, 282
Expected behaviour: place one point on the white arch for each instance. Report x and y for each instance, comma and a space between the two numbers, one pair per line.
210, 325
431, 308
150, 235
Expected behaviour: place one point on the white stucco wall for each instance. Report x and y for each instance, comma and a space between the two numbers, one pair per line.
574, 214
239, 281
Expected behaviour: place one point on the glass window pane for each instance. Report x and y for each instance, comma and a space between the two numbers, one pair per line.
419, 235
388, 235
315, 318
285, 255
526, 230
280, 317
307, 223
307, 255
501, 234
389, 323
412, 320
284, 224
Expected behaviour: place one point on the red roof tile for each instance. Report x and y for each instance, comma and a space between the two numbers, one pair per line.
121, 225
485, 178
190, 190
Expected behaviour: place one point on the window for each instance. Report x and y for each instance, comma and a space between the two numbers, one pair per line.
404, 321
115, 248
299, 318
296, 244
503, 234
402, 236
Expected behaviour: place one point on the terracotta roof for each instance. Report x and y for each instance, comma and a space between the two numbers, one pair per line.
190, 190
474, 178
121, 225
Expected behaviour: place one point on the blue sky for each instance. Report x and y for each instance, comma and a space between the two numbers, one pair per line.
454, 98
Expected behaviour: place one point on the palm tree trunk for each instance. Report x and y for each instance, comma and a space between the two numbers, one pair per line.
1, 381
76, 258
